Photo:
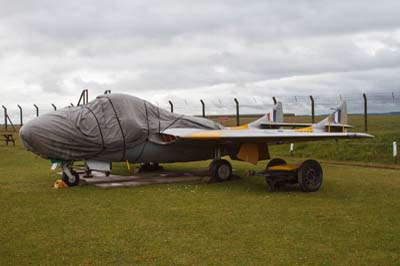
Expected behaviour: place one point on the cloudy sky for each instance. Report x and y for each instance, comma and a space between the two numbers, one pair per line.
214, 50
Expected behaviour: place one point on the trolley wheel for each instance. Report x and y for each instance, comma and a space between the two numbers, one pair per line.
271, 185
275, 162
212, 165
71, 181
220, 170
310, 176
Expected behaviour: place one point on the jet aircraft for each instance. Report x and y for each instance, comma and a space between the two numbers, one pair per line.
119, 127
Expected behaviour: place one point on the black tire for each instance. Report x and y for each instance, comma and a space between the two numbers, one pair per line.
310, 176
275, 162
211, 167
71, 182
220, 170
271, 185
150, 167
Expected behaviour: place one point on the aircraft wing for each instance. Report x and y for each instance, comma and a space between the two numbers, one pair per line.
257, 136
271, 124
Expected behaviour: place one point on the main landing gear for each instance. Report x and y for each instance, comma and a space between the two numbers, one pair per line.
220, 169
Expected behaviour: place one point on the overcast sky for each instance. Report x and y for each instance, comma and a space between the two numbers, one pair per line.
187, 50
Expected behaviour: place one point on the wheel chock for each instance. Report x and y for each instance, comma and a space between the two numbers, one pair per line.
60, 184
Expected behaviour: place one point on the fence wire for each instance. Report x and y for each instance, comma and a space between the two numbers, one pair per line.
378, 102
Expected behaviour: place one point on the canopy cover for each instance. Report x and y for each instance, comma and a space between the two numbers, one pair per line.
103, 129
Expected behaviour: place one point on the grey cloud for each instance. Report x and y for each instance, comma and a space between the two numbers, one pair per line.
241, 49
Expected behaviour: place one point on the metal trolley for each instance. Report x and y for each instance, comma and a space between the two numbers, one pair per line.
278, 173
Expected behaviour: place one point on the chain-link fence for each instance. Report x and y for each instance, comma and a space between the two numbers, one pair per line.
239, 106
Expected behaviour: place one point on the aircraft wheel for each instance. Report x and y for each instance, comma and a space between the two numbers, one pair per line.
275, 162
310, 176
221, 170
71, 181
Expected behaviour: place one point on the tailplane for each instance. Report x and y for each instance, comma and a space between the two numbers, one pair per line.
276, 117
340, 114
336, 121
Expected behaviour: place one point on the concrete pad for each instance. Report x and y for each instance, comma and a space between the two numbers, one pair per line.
149, 181
100, 180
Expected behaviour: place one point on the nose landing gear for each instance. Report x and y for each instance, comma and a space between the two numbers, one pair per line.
69, 176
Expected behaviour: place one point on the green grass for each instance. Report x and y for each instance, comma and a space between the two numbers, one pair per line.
352, 220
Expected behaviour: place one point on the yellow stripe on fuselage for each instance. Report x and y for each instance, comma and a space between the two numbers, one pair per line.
305, 129
212, 134
242, 127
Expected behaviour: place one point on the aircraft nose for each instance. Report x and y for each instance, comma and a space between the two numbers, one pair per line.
28, 135
37, 135
63, 134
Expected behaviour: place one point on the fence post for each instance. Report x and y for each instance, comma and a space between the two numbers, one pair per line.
237, 112
203, 106
20, 115
5, 117
291, 149
84, 97
365, 113
37, 110
172, 106
55, 108
312, 109
274, 99
395, 151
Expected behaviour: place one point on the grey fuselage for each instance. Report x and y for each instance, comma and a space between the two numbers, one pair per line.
116, 127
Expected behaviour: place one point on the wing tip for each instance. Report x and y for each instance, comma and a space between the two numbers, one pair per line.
363, 135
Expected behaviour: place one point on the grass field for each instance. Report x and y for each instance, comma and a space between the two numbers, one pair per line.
352, 220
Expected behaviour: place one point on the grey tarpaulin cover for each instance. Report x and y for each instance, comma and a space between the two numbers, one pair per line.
103, 129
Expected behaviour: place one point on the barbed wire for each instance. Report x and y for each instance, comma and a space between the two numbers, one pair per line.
383, 101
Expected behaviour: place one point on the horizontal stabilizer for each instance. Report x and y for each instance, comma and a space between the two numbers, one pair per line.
335, 122
277, 117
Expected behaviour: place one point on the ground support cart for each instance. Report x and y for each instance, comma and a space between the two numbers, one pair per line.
278, 173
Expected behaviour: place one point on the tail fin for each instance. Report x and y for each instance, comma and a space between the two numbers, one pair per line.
277, 116
336, 121
277, 113
340, 114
